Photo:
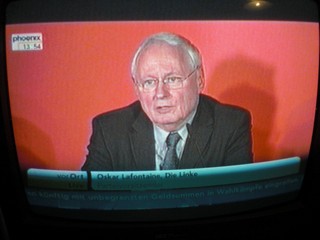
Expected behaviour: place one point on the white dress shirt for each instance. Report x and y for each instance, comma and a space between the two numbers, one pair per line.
161, 135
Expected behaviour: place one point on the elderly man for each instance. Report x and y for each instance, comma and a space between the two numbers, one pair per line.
172, 125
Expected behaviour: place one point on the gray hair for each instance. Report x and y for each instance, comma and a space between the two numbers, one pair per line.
172, 40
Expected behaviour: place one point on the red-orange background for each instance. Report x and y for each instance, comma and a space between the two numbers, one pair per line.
269, 68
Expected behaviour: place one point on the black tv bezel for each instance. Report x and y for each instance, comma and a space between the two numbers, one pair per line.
34, 11
298, 210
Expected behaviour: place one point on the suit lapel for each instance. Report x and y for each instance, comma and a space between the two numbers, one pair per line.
200, 133
142, 143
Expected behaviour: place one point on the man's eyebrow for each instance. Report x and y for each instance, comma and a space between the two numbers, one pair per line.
171, 73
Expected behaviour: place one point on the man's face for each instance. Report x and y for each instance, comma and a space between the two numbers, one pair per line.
167, 108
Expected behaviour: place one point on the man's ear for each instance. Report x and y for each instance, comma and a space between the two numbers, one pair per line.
136, 89
201, 80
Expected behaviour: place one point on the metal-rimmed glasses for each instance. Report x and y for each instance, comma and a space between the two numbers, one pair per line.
171, 82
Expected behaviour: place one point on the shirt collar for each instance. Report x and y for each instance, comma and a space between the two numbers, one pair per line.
161, 135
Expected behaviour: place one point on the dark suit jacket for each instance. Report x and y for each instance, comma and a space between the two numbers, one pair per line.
123, 139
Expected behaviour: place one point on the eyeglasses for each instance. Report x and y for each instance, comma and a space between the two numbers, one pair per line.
171, 82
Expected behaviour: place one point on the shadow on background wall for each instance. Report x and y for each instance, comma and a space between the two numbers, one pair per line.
252, 88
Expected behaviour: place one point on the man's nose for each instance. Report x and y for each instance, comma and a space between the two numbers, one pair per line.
161, 90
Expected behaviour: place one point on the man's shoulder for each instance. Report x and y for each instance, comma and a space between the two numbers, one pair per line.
220, 109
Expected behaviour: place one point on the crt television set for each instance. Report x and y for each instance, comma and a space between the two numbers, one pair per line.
66, 61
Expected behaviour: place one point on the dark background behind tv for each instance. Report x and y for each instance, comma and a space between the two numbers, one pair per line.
295, 10
285, 220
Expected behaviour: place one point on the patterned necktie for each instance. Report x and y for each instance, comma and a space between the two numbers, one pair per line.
171, 159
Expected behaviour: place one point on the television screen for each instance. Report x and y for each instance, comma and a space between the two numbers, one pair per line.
93, 89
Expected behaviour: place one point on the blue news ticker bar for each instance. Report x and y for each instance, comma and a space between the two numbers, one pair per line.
169, 179
57, 179
167, 198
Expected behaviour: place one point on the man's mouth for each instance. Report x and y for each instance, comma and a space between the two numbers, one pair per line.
164, 109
